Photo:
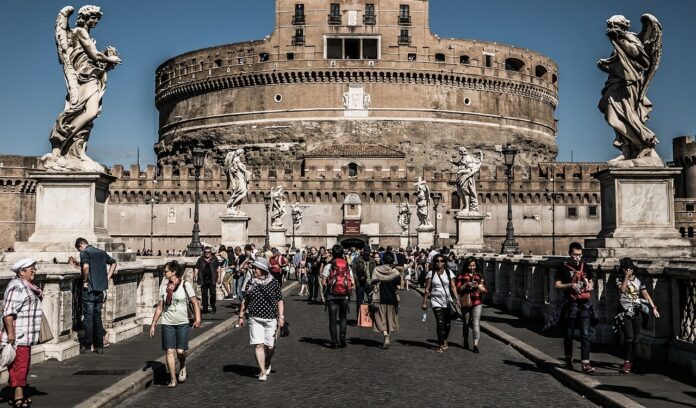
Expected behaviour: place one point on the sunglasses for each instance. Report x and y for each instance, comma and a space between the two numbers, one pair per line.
440, 261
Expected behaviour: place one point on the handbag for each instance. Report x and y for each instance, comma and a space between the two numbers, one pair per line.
190, 311
45, 334
454, 309
364, 318
282, 331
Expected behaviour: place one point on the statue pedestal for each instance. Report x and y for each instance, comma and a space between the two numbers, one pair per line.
235, 230
69, 205
405, 240
638, 214
470, 232
426, 236
277, 239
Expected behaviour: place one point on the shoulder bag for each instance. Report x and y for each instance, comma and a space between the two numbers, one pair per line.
191, 312
45, 335
455, 311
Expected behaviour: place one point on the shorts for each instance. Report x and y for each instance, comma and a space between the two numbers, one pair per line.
262, 331
175, 336
227, 278
19, 369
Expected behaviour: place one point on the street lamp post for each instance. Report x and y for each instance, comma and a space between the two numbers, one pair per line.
436, 202
408, 222
195, 248
294, 221
154, 199
510, 246
267, 203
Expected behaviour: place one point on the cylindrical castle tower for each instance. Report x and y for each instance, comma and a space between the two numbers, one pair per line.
357, 71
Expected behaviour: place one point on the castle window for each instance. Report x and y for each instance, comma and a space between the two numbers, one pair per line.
412, 56
540, 71
405, 37
689, 207
299, 17
335, 14
352, 170
690, 232
554, 78
489, 60
240, 60
290, 56
369, 18
464, 59
298, 38
263, 57
404, 14
572, 212
357, 48
439, 57
514, 64
218, 62
592, 211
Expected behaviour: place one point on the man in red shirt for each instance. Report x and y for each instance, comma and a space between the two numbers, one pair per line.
277, 264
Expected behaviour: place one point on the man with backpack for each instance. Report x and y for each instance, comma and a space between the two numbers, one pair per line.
338, 281
575, 278
277, 263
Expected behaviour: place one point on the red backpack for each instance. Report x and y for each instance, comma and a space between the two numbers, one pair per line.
340, 283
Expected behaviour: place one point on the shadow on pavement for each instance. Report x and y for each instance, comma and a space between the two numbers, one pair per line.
7, 393
524, 366
365, 342
159, 372
638, 393
316, 342
413, 343
243, 370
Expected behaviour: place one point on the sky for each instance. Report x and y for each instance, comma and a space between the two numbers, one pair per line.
147, 32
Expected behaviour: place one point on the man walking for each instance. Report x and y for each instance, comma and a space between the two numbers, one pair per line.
277, 263
575, 277
312, 278
95, 280
207, 274
362, 269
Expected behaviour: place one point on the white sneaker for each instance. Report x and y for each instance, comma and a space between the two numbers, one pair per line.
182, 375
268, 370
263, 377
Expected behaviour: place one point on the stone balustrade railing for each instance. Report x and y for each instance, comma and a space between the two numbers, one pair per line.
525, 284
130, 302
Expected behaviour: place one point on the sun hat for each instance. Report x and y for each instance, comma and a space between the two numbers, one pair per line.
261, 263
22, 263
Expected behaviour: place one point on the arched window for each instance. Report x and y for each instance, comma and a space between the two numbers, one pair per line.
691, 232
352, 170
439, 57
540, 71
464, 59
514, 64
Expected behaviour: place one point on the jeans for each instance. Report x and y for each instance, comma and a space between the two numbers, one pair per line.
360, 292
313, 287
208, 290
631, 332
443, 323
338, 309
471, 316
92, 303
582, 322
239, 290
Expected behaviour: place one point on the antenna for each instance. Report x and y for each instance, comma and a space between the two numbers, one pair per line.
571, 156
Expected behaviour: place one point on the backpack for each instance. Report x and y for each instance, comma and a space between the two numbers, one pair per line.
579, 278
340, 283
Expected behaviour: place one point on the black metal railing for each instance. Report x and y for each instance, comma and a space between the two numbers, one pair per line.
370, 19
298, 40
404, 39
298, 19
404, 20
334, 19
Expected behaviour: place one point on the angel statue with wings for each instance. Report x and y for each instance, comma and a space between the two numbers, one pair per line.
624, 103
278, 209
237, 181
85, 70
422, 203
468, 167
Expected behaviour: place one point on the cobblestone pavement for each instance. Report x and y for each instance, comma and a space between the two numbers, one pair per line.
307, 372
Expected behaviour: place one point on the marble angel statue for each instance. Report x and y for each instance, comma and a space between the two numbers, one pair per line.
404, 218
278, 210
237, 181
84, 68
625, 105
296, 213
468, 167
422, 203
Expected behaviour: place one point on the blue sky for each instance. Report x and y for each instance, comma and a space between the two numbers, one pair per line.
147, 32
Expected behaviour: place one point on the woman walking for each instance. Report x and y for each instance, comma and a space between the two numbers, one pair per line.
302, 275
175, 296
385, 280
631, 290
471, 288
21, 317
263, 301
439, 286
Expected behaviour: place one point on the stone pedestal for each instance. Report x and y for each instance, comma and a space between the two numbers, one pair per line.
277, 238
638, 214
235, 230
470, 232
426, 236
405, 240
